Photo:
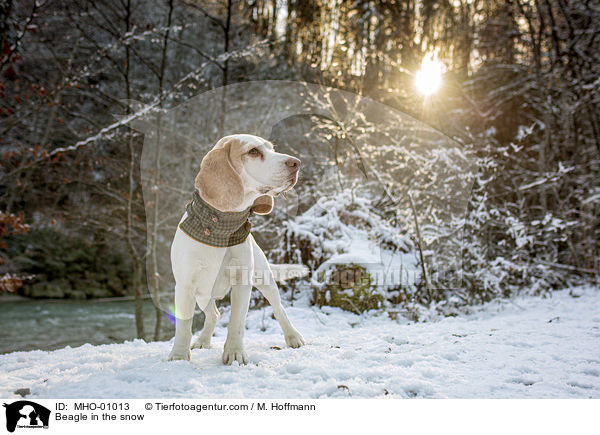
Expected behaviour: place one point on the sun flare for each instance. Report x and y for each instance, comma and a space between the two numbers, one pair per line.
429, 77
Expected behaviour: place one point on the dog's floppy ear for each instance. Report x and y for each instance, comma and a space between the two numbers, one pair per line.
263, 204
218, 182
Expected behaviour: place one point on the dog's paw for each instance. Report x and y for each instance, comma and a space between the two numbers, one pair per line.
201, 343
294, 339
180, 356
233, 353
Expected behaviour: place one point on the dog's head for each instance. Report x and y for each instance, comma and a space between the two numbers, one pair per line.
243, 170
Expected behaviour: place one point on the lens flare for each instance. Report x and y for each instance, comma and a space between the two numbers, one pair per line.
171, 314
429, 77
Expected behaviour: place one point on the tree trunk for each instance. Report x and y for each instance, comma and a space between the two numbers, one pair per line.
135, 261
225, 78
156, 181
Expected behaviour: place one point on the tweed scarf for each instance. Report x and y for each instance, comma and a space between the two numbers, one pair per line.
213, 227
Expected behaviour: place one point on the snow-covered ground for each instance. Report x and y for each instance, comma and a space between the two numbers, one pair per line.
527, 347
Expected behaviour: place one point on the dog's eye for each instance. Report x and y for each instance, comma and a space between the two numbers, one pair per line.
254, 152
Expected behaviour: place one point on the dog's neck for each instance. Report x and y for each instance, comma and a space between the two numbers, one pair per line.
249, 198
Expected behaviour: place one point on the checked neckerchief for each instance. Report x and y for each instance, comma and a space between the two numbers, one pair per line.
213, 227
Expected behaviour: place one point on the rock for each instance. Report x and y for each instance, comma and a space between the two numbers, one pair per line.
23, 392
115, 285
94, 276
41, 290
98, 292
93, 289
77, 294
63, 283
54, 290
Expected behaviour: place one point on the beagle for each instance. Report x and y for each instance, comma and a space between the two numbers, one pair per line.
213, 250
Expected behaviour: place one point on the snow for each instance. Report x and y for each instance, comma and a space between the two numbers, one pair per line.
526, 347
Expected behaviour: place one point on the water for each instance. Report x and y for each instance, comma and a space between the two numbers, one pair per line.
30, 324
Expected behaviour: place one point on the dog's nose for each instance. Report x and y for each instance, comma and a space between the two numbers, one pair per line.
293, 163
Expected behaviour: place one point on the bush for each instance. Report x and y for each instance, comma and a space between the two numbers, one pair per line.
348, 287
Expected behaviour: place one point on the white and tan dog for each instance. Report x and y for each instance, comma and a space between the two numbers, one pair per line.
241, 171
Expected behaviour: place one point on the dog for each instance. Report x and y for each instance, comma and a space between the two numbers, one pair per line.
239, 176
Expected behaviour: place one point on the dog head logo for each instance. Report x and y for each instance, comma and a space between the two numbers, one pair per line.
26, 414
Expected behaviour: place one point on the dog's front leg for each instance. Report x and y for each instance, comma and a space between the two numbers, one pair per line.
184, 315
183, 337
234, 345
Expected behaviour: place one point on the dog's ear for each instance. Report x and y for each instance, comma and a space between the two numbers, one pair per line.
218, 182
263, 204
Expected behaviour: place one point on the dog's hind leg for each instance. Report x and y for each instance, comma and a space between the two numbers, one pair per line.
211, 317
270, 291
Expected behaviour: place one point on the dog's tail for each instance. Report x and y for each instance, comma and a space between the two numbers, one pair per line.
283, 272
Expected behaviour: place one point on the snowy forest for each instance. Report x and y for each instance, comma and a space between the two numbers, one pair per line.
485, 187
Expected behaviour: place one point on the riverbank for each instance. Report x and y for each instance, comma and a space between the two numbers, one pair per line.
49, 324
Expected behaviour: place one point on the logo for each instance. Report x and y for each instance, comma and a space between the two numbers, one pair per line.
26, 414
